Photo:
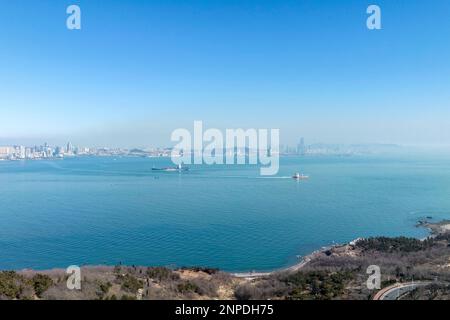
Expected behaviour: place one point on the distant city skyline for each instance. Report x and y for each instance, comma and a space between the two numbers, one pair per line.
48, 151
138, 70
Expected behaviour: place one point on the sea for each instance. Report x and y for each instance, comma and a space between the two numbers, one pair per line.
117, 210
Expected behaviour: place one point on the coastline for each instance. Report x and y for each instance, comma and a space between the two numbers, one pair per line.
345, 280
345, 249
293, 268
434, 228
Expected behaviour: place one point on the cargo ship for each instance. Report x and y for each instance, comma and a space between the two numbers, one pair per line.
299, 176
178, 168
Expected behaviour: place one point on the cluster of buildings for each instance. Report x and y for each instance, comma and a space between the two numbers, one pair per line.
40, 152
301, 149
45, 151
322, 149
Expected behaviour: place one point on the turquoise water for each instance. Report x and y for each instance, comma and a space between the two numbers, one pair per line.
105, 211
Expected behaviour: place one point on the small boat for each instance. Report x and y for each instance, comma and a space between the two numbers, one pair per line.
299, 176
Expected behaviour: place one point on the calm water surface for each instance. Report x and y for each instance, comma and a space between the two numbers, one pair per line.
105, 210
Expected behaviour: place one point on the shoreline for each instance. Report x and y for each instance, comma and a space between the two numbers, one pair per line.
434, 228
293, 268
339, 270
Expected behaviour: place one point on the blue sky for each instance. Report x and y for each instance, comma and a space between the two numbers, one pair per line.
139, 69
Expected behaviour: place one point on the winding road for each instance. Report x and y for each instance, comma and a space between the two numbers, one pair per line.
395, 291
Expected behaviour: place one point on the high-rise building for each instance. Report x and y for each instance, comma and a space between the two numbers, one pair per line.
301, 149
28, 153
20, 152
69, 148
6, 152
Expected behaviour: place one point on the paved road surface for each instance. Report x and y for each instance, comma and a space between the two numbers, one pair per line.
397, 290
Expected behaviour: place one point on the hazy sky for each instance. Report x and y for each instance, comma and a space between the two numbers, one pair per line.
139, 69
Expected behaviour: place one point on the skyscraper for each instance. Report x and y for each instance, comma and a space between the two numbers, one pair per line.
301, 149
69, 148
